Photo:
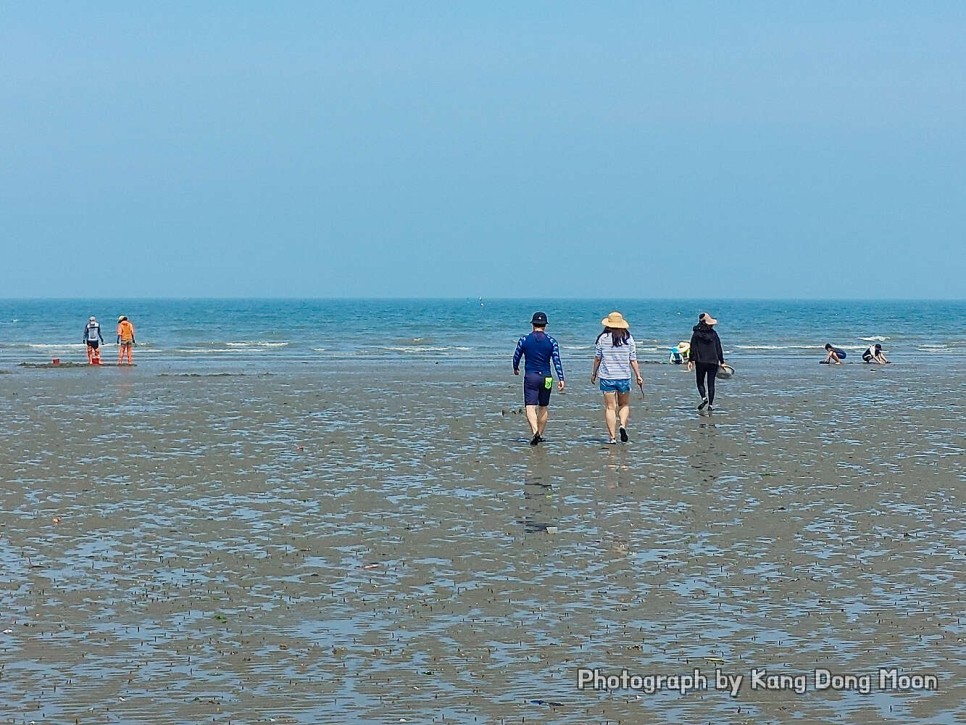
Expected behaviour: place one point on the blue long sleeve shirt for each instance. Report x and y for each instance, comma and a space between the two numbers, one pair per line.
540, 351
92, 332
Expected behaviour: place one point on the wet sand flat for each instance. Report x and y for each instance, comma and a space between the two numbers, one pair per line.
381, 545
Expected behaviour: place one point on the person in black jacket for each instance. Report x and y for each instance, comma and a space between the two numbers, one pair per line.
707, 356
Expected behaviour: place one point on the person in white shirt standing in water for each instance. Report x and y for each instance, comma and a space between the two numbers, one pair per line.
94, 339
615, 357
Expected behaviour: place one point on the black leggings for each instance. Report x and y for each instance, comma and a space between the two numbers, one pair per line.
711, 371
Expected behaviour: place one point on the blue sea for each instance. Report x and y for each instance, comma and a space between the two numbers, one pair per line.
209, 333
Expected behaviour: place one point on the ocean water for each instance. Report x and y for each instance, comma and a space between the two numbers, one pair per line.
200, 333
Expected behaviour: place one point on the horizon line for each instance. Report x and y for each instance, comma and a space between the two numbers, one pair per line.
527, 298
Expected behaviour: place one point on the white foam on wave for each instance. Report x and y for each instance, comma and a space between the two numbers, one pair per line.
56, 346
417, 348
205, 350
781, 347
256, 344
874, 338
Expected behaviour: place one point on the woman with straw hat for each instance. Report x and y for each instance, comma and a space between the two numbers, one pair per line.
680, 354
707, 357
615, 357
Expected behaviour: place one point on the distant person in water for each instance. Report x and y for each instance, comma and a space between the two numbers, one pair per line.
615, 358
680, 354
707, 357
125, 340
93, 339
873, 354
834, 355
539, 351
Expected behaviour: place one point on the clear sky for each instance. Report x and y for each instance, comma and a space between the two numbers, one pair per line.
496, 149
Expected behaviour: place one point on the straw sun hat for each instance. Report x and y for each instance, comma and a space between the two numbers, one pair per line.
615, 320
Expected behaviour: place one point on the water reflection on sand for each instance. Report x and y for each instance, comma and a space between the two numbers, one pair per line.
309, 546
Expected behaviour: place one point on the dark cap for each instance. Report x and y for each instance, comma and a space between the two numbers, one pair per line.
539, 318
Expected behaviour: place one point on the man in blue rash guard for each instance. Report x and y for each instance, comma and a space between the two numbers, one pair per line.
539, 350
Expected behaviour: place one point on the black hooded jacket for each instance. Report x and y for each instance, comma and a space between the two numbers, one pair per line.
705, 344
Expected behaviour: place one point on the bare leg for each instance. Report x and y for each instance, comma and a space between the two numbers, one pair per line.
543, 415
532, 419
624, 408
610, 414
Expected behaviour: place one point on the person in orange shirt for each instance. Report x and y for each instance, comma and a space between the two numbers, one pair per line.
125, 339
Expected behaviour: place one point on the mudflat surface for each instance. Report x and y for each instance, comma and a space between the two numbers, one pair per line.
382, 545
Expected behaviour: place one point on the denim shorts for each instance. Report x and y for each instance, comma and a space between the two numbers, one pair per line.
615, 386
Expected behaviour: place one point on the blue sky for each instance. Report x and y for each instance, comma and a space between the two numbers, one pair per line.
496, 149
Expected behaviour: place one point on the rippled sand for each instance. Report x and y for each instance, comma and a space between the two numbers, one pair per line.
313, 545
